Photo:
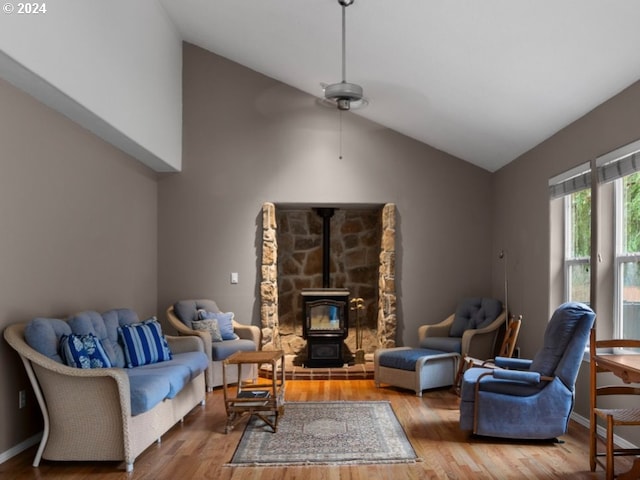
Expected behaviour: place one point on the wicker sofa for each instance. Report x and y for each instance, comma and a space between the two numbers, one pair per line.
105, 414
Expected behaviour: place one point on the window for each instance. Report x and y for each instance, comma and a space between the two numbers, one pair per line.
627, 262
572, 272
577, 246
622, 167
574, 228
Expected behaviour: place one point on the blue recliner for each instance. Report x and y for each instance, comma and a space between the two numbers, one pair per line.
530, 399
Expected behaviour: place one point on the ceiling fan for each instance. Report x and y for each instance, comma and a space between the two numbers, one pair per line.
344, 95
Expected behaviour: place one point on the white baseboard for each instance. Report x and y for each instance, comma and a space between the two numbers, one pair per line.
21, 447
602, 431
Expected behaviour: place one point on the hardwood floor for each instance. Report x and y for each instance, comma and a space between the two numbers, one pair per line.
199, 448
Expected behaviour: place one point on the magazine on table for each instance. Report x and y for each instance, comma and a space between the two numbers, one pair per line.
261, 397
254, 394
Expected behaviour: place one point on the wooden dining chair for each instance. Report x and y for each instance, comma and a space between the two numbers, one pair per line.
510, 337
611, 417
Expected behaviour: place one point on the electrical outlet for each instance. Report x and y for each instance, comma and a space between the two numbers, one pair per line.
22, 398
234, 277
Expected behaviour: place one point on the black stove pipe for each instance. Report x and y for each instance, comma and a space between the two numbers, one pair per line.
326, 214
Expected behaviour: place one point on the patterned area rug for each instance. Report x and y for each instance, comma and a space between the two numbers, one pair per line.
313, 433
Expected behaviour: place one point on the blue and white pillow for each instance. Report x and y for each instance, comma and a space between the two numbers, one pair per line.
208, 325
144, 343
225, 323
83, 351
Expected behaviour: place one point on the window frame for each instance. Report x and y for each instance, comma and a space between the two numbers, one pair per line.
569, 260
620, 257
608, 266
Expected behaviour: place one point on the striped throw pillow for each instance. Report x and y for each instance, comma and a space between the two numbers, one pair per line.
144, 343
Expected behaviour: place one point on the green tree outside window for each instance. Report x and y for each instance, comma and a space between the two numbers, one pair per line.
632, 213
581, 212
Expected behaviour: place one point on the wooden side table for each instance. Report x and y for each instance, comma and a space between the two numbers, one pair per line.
264, 399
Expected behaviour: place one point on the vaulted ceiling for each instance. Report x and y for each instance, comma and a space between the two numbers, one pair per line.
484, 80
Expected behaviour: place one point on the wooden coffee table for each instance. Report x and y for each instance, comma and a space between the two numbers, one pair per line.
264, 399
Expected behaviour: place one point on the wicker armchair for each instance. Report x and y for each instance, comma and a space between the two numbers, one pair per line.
471, 331
182, 313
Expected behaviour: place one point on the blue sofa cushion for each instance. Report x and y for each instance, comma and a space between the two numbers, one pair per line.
404, 359
43, 335
144, 343
196, 362
176, 375
222, 350
83, 351
146, 389
191, 364
473, 313
444, 344
152, 383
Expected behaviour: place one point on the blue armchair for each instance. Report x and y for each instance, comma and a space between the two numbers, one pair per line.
530, 399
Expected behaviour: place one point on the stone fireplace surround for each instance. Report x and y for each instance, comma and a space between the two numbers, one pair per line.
285, 335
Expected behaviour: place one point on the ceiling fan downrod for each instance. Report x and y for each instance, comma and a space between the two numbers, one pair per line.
344, 93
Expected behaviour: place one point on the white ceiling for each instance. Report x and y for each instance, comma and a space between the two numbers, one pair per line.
484, 80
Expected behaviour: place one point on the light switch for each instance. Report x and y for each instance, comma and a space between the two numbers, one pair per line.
234, 277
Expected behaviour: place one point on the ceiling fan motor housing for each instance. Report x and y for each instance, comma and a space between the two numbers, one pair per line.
343, 94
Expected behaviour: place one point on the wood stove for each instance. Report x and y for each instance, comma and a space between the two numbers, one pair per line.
325, 325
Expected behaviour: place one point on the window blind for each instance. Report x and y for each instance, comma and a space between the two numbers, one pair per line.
619, 168
619, 163
574, 180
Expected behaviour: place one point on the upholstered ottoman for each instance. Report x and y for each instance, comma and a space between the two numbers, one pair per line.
415, 368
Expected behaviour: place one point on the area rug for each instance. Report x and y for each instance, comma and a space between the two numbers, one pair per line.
314, 433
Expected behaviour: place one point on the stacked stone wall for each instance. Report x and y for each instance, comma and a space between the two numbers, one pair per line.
362, 259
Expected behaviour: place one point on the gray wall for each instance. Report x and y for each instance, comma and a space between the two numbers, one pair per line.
78, 223
521, 216
249, 139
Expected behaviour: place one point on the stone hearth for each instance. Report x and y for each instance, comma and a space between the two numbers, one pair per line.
363, 371
362, 260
